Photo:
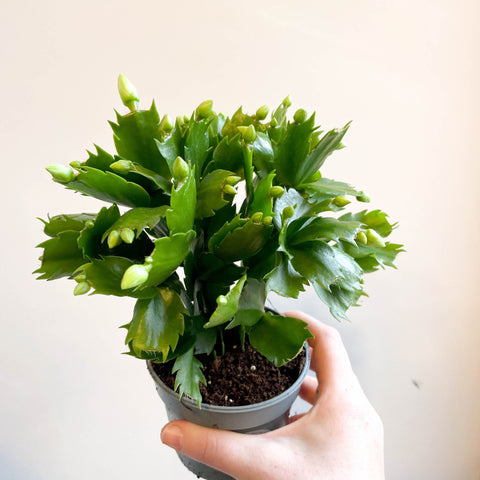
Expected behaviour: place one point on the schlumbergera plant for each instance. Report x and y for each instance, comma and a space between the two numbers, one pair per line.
216, 212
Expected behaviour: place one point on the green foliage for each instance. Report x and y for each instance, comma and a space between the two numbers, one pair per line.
227, 305
284, 280
169, 253
227, 155
90, 239
324, 189
181, 215
279, 338
109, 187
211, 195
239, 239
239, 204
291, 151
105, 275
61, 256
189, 376
135, 136
251, 304
157, 323
197, 144
63, 223
136, 219
262, 201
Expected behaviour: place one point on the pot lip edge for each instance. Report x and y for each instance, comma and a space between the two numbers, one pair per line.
191, 404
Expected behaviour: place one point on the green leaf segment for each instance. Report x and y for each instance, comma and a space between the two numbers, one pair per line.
236, 207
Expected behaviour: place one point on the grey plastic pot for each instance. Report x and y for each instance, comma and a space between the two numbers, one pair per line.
253, 419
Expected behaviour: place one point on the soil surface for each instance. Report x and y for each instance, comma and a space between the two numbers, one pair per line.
240, 378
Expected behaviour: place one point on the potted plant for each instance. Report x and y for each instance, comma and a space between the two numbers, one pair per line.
207, 215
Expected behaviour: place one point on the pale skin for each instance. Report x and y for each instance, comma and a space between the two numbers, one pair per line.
339, 438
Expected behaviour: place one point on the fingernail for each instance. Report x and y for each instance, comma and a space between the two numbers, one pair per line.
172, 436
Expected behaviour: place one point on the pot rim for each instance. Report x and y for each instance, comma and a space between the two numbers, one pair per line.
187, 402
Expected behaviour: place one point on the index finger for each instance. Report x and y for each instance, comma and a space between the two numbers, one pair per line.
330, 360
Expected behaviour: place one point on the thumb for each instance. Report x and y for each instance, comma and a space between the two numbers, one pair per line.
229, 452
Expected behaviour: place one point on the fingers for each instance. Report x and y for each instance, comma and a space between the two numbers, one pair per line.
232, 453
308, 389
330, 359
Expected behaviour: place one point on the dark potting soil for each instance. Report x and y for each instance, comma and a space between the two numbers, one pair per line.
240, 378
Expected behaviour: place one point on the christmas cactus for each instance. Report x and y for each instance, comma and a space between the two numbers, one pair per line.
207, 215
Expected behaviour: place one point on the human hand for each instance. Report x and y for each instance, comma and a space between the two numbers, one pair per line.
340, 438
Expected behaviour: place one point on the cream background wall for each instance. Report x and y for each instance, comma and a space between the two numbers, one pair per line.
407, 73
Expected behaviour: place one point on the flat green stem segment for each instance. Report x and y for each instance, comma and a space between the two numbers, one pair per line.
62, 223
251, 238
248, 173
338, 299
101, 160
321, 263
157, 323
168, 254
263, 155
181, 215
251, 304
91, 238
225, 311
279, 338
135, 136
284, 280
61, 256
371, 257
189, 376
375, 219
137, 219
291, 152
160, 182
240, 240
262, 202
228, 155
172, 147
324, 189
197, 145
210, 193
330, 142
318, 228
105, 276
109, 187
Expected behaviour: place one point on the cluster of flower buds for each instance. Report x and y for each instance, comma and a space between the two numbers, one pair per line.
82, 287
370, 237
258, 217
115, 237
229, 184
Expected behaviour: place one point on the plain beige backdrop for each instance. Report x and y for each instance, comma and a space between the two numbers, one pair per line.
406, 72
